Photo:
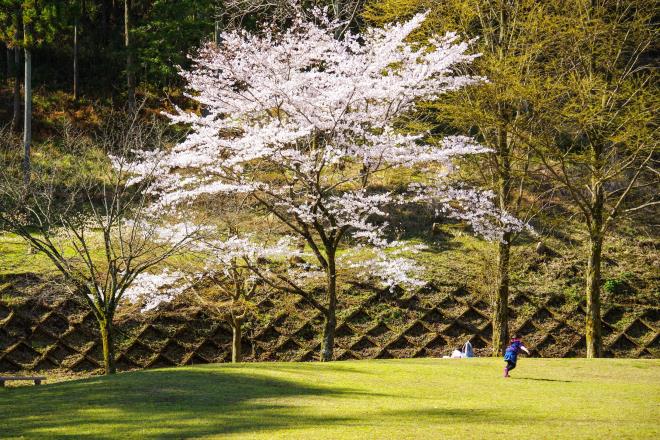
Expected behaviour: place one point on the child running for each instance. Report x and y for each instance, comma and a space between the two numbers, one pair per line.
511, 354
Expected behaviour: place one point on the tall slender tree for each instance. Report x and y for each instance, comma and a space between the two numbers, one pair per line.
77, 11
130, 69
7, 67
598, 135
38, 24
27, 103
16, 113
8, 57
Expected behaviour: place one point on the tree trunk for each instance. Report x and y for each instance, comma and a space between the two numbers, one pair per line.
501, 306
8, 66
105, 326
593, 326
236, 345
130, 77
596, 234
328, 343
75, 59
27, 117
15, 120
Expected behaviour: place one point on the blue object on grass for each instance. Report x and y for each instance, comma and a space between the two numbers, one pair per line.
467, 350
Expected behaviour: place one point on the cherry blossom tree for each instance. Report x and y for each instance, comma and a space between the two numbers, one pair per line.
304, 124
226, 285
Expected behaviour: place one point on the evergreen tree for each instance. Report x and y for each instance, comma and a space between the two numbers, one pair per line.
167, 33
10, 34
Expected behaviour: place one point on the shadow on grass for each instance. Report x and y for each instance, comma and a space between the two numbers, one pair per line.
163, 404
311, 368
458, 416
538, 379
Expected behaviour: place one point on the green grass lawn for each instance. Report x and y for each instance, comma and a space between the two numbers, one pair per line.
380, 399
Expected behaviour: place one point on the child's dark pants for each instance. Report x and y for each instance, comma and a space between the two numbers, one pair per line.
510, 365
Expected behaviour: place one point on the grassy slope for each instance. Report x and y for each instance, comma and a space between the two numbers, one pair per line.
467, 260
15, 259
414, 398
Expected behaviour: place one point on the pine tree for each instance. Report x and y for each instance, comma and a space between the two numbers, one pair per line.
10, 33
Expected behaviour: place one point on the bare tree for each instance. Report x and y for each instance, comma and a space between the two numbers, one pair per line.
97, 232
229, 292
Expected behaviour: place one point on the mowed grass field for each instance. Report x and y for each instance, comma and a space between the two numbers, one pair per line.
379, 399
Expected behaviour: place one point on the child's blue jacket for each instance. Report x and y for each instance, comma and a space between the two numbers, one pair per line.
511, 353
